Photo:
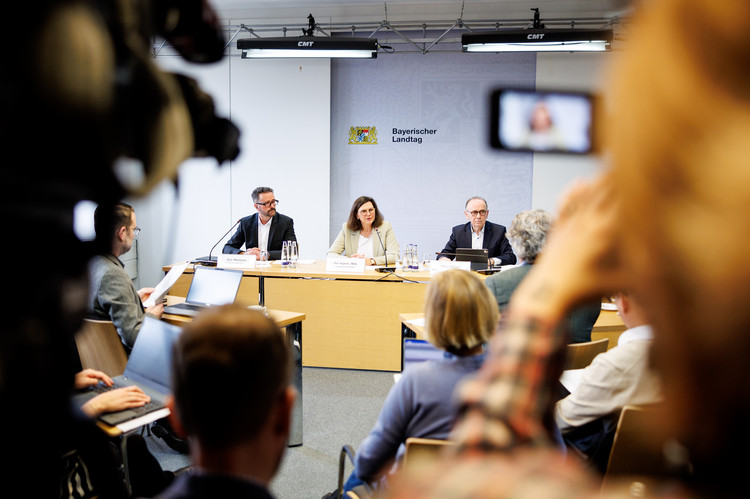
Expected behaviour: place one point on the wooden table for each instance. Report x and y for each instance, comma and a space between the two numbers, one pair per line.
351, 318
291, 322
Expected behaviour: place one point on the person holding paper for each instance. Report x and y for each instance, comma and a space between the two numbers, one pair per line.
112, 295
366, 235
263, 231
479, 233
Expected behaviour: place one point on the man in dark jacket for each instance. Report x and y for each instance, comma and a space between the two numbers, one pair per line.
262, 231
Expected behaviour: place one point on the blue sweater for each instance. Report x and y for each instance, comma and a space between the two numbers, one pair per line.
420, 404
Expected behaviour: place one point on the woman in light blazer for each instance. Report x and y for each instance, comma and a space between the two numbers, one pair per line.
366, 235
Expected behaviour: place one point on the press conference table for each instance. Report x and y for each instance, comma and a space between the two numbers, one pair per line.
352, 319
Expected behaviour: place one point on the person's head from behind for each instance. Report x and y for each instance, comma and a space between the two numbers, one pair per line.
460, 312
364, 213
230, 381
528, 232
678, 145
116, 224
630, 309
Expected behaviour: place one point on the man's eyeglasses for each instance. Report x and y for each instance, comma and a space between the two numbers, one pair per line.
136, 231
481, 213
269, 203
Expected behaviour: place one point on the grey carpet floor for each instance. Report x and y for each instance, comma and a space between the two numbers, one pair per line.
339, 407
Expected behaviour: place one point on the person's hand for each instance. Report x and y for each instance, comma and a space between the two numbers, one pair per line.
144, 293
370, 261
115, 400
252, 251
444, 258
580, 259
90, 377
156, 310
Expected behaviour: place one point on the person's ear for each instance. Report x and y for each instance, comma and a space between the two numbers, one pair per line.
285, 404
121, 233
174, 419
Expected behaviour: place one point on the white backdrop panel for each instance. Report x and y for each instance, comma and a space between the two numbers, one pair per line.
422, 188
284, 110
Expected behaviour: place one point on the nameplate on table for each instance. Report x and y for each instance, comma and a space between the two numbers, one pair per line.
437, 266
230, 261
345, 264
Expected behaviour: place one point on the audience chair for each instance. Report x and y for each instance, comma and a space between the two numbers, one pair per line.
422, 451
580, 355
643, 451
99, 347
360, 492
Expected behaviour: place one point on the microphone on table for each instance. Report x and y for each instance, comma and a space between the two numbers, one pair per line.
386, 268
207, 260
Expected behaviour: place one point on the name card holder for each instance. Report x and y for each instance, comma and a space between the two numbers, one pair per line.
345, 264
437, 266
229, 261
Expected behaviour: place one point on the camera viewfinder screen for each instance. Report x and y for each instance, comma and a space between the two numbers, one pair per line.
542, 121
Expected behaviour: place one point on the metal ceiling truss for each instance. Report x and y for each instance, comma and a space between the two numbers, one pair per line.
424, 36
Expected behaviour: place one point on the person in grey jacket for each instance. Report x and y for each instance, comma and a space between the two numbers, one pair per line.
112, 295
527, 235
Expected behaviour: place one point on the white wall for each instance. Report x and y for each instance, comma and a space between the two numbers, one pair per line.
553, 173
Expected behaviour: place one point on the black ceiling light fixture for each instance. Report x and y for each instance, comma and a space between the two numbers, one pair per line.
538, 38
308, 45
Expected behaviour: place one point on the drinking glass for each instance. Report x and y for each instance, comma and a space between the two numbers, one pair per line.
284, 255
293, 256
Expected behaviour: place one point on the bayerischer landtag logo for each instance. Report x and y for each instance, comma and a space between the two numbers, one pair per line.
363, 135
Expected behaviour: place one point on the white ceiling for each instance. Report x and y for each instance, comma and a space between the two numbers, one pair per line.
399, 10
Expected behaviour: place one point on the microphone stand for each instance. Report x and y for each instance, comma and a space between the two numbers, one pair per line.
386, 268
207, 261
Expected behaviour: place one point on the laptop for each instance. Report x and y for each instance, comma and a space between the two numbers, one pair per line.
479, 258
148, 367
210, 287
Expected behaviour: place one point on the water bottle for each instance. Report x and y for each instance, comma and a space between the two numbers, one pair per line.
414, 264
284, 255
293, 256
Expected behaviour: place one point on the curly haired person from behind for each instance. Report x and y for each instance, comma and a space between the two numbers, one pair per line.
527, 235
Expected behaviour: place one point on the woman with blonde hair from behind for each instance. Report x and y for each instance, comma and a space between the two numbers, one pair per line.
460, 317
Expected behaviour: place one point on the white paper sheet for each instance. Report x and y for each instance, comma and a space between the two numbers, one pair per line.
570, 379
161, 289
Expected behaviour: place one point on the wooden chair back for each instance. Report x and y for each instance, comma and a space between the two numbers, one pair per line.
421, 451
99, 347
580, 355
638, 450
